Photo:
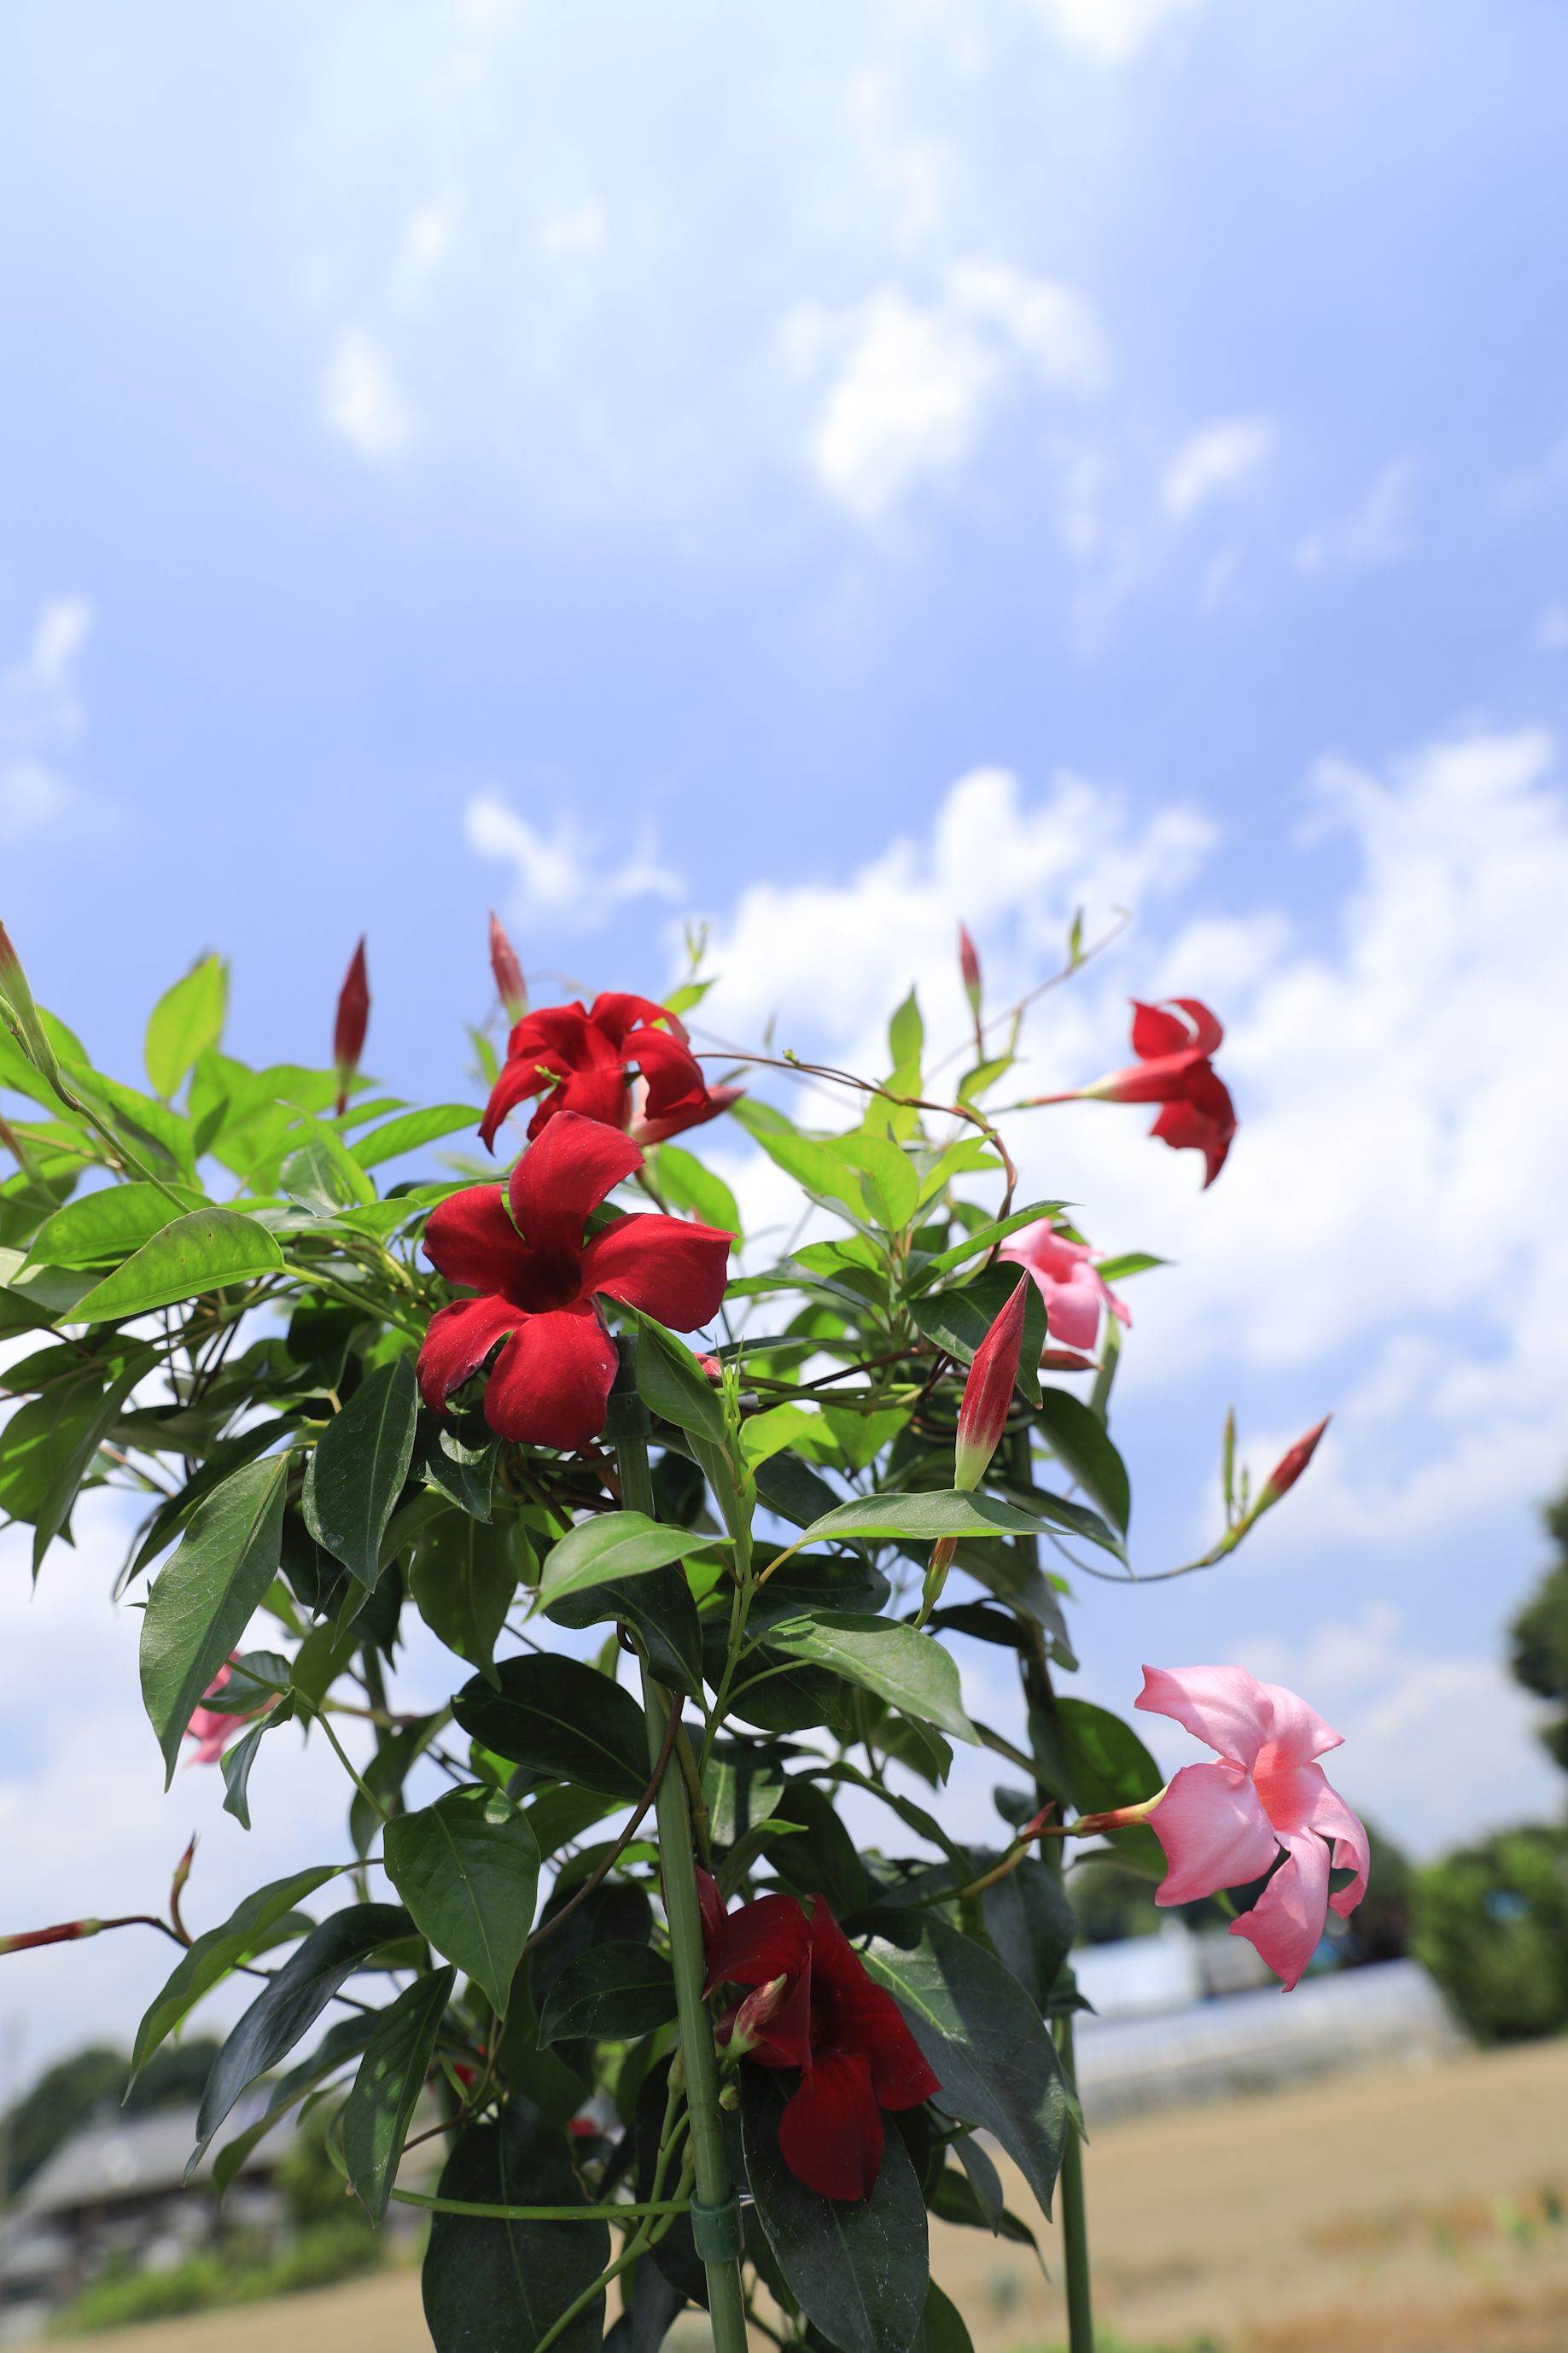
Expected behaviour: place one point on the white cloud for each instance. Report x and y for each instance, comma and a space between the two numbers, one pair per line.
563, 874
915, 384
575, 228
362, 400
39, 712
1551, 630
1213, 461
1113, 31
427, 240
1376, 531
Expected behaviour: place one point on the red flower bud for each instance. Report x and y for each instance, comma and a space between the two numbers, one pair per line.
1290, 1467
354, 1015
709, 1904
989, 1391
510, 984
969, 964
753, 2014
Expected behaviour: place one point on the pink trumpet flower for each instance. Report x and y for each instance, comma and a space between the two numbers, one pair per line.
1067, 1281
1223, 1824
208, 1728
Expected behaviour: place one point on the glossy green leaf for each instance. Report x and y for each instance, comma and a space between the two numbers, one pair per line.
763, 1435
186, 1019
532, 2072
561, 1718
857, 2267
72, 1463
498, 2287
958, 1320
660, 1608
42, 1436
971, 1155
941, 2328
860, 1436
1092, 1759
980, 2035
254, 1925
238, 1761
671, 1383
796, 1493
321, 1170
1117, 1269
815, 1166
909, 1670
464, 1475
906, 1034
890, 1185
817, 1851
204, 1251
1078, 1439
463, 1581
105, 1227
387, 2087
742, 1858
818, 1582
923, 1518
357, 1471
686, 1182
1030, 1923
611, 1545
955, 2198
414, 1129
742, 1787
611, 1991
985, 1237
201, 1602
293, 2000
158, 1136
340, 2043
468, 1870
983, 2179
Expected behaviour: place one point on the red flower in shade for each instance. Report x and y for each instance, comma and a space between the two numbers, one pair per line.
582, 1062
848, 2037
1174, 1068
537, 1279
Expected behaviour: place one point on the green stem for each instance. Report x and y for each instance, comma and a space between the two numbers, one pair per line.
1075, 2225
612, 2213
726, 2300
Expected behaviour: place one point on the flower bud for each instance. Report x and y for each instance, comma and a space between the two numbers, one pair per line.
969, 965
23, 1017
510, 984
354, 1015
989, 1391
729, 2097
941, 1553
753, 2014
1290, 1467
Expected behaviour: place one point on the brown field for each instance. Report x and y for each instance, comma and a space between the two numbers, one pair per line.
1379, 2214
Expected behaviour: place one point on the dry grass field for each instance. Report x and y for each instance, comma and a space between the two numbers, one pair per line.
1379, 2214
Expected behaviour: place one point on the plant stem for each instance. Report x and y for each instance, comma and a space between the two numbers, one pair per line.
726, 2300
1075, 2223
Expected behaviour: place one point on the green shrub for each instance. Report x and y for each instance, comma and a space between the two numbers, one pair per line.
332, 2251
1492, 1925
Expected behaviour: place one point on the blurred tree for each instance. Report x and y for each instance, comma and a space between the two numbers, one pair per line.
1540, 1636
1492, 1925
71, 2093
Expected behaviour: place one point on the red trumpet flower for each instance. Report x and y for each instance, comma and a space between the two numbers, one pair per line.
353, 1017
1174, 1068
848, 2037
582, 1061
536, 1282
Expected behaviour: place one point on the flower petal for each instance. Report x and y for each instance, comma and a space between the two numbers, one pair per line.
459, 1339
672, 1270
615, 1013
470, 1238
559, 1179
552, 1381
1287, 1921
597, 1094
1222, 1705
784, 2041
761, 1941
1072, 1312
1332, 1819
522, 1074
1298, 1733
851, 2013
830, 2135
1213, 1831
1157, 1034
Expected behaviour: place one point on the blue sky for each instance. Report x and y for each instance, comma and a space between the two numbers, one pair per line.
630, 463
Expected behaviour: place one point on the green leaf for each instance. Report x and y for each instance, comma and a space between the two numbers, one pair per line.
955, 2199
1092, 1759
970, 1156
254, 1926
960, 1320
813, 1167
982, 1078
1030, 1923
611, 1991
817, 1581
792, 1490
671, 1383
943, 1512
815, 1850
238, 1761
41, 1438
202, 1251
611, 1545
891, 1185
1117, 1269
357, 1471
763, 1435
322, 1171
106, 1226
686, 1182
186, 1019
985, 1237
463, 1581
860, 1436
982, 2036
1078, 1439
201, 1602
292, 2002
341, 2042
464, 1475
941, 2328
738, 1862
742, 1787
560, 1717
153, 1131
468, 1870
387, 2087
496, 2288
660, 1608
910, 1670
414, 1129
906, 1034
72, 1465
857, 2267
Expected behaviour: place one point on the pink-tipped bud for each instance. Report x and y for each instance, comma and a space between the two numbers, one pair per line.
510, 984
752, 2018
353, 1017
1290, 1467
989, 1391
969, 964
66, 1933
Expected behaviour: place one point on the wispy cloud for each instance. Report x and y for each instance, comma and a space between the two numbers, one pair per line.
564, 875
362, 401
40, 711
1551, 630
914, 384
1214, 460
1377, 529
1114, 31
